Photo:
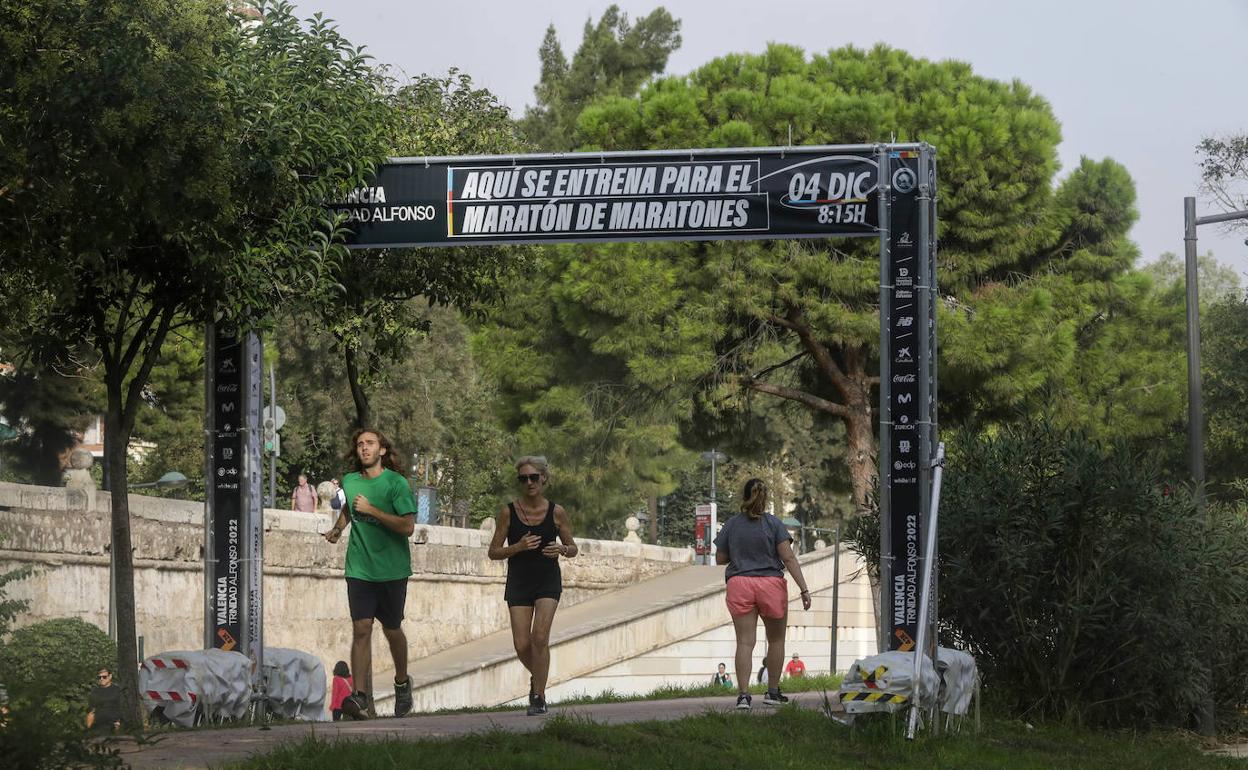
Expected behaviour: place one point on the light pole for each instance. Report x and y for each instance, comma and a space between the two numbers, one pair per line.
713, 457
171, 480
1195, 405
270, 435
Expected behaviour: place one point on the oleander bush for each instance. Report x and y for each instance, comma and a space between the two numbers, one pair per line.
1084, 584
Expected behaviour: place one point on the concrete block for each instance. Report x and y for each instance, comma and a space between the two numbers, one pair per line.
43, 499
10, 494
77, 499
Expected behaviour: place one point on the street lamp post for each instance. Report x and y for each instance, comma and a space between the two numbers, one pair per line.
836, 594
1195, 406
713, 457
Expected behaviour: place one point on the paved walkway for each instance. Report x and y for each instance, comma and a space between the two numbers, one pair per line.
1237, 751
618, 608
211, 748
615, 607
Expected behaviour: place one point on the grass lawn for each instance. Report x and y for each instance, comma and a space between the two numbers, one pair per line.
801, 684
791, 738
822, 683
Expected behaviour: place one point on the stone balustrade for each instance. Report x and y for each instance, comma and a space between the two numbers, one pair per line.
454, 596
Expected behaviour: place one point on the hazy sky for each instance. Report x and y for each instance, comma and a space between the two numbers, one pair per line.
1141, 81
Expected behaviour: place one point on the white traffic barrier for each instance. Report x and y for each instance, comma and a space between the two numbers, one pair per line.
958, 674
885, 682
295, 684
188, 685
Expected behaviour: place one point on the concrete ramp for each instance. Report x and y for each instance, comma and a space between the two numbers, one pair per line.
587, 637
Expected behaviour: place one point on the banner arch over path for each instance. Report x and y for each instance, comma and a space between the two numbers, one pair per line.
884, 191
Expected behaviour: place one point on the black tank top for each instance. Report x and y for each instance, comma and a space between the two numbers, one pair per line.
529, 561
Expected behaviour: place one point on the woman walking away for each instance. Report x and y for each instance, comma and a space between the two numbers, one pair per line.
342, 687
756, 547
529, 525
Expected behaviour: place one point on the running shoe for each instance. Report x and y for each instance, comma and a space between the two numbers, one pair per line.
355, 705
775, 698
743, 702
538, 707
403, 698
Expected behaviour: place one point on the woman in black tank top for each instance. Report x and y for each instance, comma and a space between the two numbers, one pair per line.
532, 534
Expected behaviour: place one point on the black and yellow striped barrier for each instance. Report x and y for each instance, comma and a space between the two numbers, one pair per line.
873, 697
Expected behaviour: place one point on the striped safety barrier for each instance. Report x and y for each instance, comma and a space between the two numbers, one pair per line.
873, 697
171, 696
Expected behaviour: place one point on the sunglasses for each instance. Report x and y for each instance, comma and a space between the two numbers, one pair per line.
526, 477
102, 677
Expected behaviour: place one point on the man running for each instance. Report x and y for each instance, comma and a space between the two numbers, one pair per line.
380, 505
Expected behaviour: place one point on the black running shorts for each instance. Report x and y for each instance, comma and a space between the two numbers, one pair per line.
383, 601
522, 592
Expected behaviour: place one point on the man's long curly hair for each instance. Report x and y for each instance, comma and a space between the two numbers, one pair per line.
389, 460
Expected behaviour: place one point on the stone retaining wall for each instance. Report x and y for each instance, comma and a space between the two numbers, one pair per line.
454, 596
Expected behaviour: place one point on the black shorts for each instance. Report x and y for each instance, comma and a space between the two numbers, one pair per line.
383, 601
524, 591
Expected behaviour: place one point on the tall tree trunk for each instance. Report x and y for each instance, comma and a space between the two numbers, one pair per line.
116, 439
363, 411
134, 357
652, 505
861, 451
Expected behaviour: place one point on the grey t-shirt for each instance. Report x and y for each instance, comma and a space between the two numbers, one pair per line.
751, 545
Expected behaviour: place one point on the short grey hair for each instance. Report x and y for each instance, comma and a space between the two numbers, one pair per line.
537, 461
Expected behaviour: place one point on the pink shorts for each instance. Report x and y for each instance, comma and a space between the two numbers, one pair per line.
768, 594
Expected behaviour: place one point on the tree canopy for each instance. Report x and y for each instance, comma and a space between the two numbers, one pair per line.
165, 164
373, 322
1031, 274
1224, 172
615, 57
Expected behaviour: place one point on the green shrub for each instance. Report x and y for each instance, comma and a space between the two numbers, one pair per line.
35, 735
1082, 588
47, 670
58, 658
10, 609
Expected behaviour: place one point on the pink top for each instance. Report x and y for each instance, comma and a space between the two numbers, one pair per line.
342, 688
304, 498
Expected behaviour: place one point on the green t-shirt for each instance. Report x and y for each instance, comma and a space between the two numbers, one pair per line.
375, 553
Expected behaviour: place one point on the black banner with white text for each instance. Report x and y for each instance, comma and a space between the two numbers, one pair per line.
234, 524
689, 195
906, 473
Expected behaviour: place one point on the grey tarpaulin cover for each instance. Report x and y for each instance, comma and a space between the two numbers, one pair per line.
296, 683
885, 682
957, 680
180, 682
